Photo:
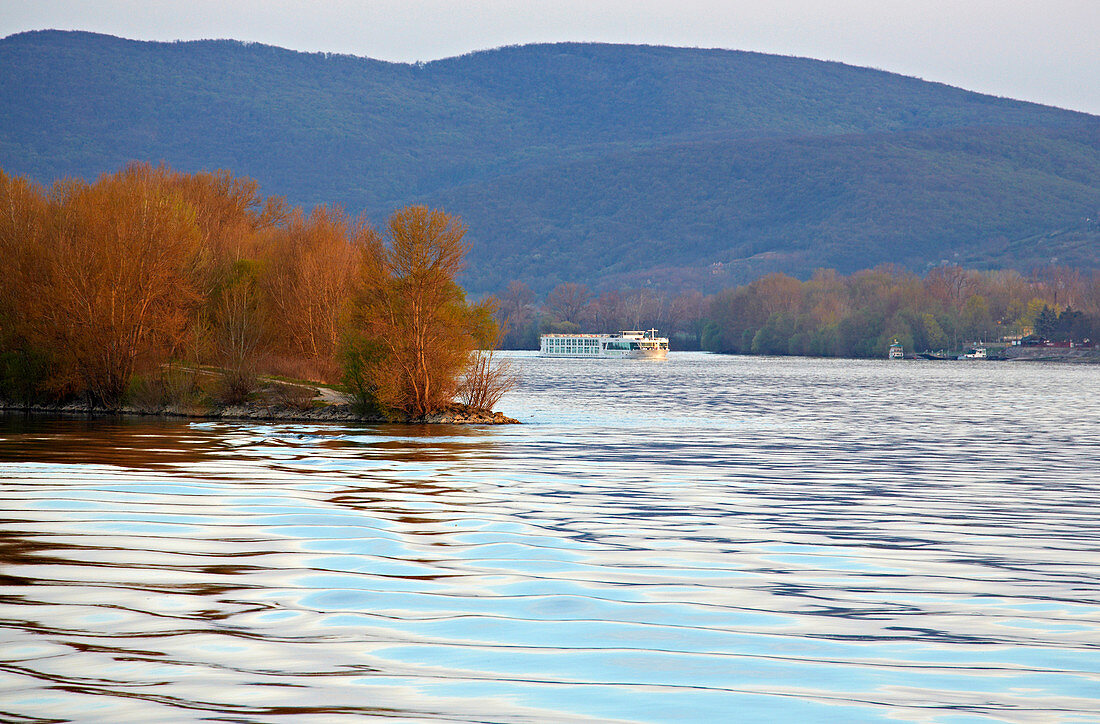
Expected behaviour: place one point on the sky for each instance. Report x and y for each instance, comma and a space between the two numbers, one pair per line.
1047, 51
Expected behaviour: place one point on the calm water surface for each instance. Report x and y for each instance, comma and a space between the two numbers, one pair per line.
709, 539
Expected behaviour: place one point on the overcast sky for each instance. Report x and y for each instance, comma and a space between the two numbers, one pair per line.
1039, 50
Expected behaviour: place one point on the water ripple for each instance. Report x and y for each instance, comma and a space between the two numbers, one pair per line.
710, 539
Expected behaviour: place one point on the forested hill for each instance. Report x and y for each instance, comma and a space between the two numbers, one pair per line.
602, 164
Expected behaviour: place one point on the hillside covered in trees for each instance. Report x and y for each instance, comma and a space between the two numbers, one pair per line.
612, 166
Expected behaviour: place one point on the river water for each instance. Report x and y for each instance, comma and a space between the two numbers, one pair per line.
704, 539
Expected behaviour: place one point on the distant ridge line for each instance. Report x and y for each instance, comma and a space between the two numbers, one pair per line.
599, 163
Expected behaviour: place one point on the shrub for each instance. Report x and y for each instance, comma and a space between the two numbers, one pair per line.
168, 387
296, 397
23, 374
312, 369
484, 382
362, 358
236, 386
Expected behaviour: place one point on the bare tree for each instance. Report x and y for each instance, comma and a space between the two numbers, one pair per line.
1064, 286
486, 380
569, 302
949, 284
687, 315
515, 312
643, 307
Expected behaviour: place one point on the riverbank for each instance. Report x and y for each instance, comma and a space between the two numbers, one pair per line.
341, 412
1075, 355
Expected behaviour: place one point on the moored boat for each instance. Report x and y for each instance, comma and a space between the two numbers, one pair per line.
975, 352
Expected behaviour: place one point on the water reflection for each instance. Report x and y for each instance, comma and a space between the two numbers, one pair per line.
123, 441
765, 540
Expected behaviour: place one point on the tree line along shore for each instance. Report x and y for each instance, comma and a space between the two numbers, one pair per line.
153, 290
829, 314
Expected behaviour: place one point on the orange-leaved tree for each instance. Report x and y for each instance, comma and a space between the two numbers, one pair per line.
118, 295
28, 362
310, 280
415, 330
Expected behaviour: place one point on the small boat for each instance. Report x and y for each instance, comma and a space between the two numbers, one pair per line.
896, 351
975, 352
628, 344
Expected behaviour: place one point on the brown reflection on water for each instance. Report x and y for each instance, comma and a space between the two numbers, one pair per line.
132, 442
151, 443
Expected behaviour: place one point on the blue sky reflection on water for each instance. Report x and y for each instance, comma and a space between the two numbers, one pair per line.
709, 539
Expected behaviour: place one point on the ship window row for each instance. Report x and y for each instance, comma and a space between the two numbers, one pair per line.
572, 346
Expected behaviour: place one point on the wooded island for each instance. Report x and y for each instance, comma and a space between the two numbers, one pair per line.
163, 290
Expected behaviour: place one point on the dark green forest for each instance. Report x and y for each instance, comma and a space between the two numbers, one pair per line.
614, 166
707, 215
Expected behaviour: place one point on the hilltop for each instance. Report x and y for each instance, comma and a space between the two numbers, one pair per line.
603, 164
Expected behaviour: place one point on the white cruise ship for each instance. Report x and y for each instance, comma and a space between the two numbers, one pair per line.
626, 344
